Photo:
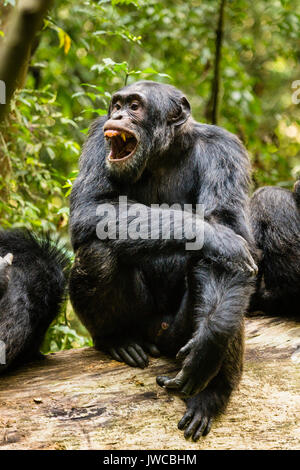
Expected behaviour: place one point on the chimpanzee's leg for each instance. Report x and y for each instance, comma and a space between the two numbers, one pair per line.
219, 300
113, 302
203, 408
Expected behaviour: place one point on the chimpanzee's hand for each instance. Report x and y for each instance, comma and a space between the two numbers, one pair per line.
223, 246
199, 367
133, 353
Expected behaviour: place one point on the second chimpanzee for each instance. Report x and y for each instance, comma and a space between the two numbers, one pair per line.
275, 218
149, 295
32, 288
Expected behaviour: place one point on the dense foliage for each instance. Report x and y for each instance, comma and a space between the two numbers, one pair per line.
88, 49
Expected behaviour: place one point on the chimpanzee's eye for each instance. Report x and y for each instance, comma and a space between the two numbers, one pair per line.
134, 105
116, 107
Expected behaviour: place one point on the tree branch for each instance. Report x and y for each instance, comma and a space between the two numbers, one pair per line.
215, 89
27, 20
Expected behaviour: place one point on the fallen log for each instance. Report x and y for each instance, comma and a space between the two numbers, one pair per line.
81, 399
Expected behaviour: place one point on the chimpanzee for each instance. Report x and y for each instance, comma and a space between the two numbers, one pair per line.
32, 287
275, 218
139, 296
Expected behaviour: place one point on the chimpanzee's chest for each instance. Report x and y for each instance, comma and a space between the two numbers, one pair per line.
169, 186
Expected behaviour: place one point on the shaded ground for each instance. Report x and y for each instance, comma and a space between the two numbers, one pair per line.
80, 399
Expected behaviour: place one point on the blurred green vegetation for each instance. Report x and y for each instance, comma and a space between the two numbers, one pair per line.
89, 49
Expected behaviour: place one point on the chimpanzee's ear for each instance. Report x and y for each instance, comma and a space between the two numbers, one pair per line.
183, 114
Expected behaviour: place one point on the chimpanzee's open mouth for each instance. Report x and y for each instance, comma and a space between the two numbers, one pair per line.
123, 144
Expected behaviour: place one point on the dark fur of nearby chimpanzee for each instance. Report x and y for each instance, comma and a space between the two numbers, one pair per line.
32, 288
275, 217
145, 296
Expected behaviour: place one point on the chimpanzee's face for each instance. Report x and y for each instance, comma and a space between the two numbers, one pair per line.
141, 125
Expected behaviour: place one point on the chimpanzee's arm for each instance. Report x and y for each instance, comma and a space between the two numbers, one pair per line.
224, 174
223, 189
93, 192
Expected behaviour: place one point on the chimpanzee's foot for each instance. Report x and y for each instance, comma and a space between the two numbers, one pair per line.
131, 353
202, 409
197, 419
134, 354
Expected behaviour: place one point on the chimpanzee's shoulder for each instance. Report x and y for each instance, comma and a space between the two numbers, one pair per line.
274, 197
214, 134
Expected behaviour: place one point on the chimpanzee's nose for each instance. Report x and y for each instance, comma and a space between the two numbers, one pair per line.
117, 116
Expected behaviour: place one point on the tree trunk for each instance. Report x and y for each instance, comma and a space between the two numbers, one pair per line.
213, 104
27, 20
81, 399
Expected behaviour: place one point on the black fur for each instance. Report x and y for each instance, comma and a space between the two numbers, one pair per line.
275, 218
138, 296
32, 293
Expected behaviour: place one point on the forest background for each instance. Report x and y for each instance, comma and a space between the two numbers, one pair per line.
236, 61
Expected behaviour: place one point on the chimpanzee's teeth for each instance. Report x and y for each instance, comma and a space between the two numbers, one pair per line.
122, 145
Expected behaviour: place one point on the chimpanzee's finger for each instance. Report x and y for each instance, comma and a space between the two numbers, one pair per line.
250, 263
174, 384
184, 351
199, 428
208, 427
141, 352
138, 358
193, 426
186, 419
161, 379
251, 269
115, 355
127, 357
152, 349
